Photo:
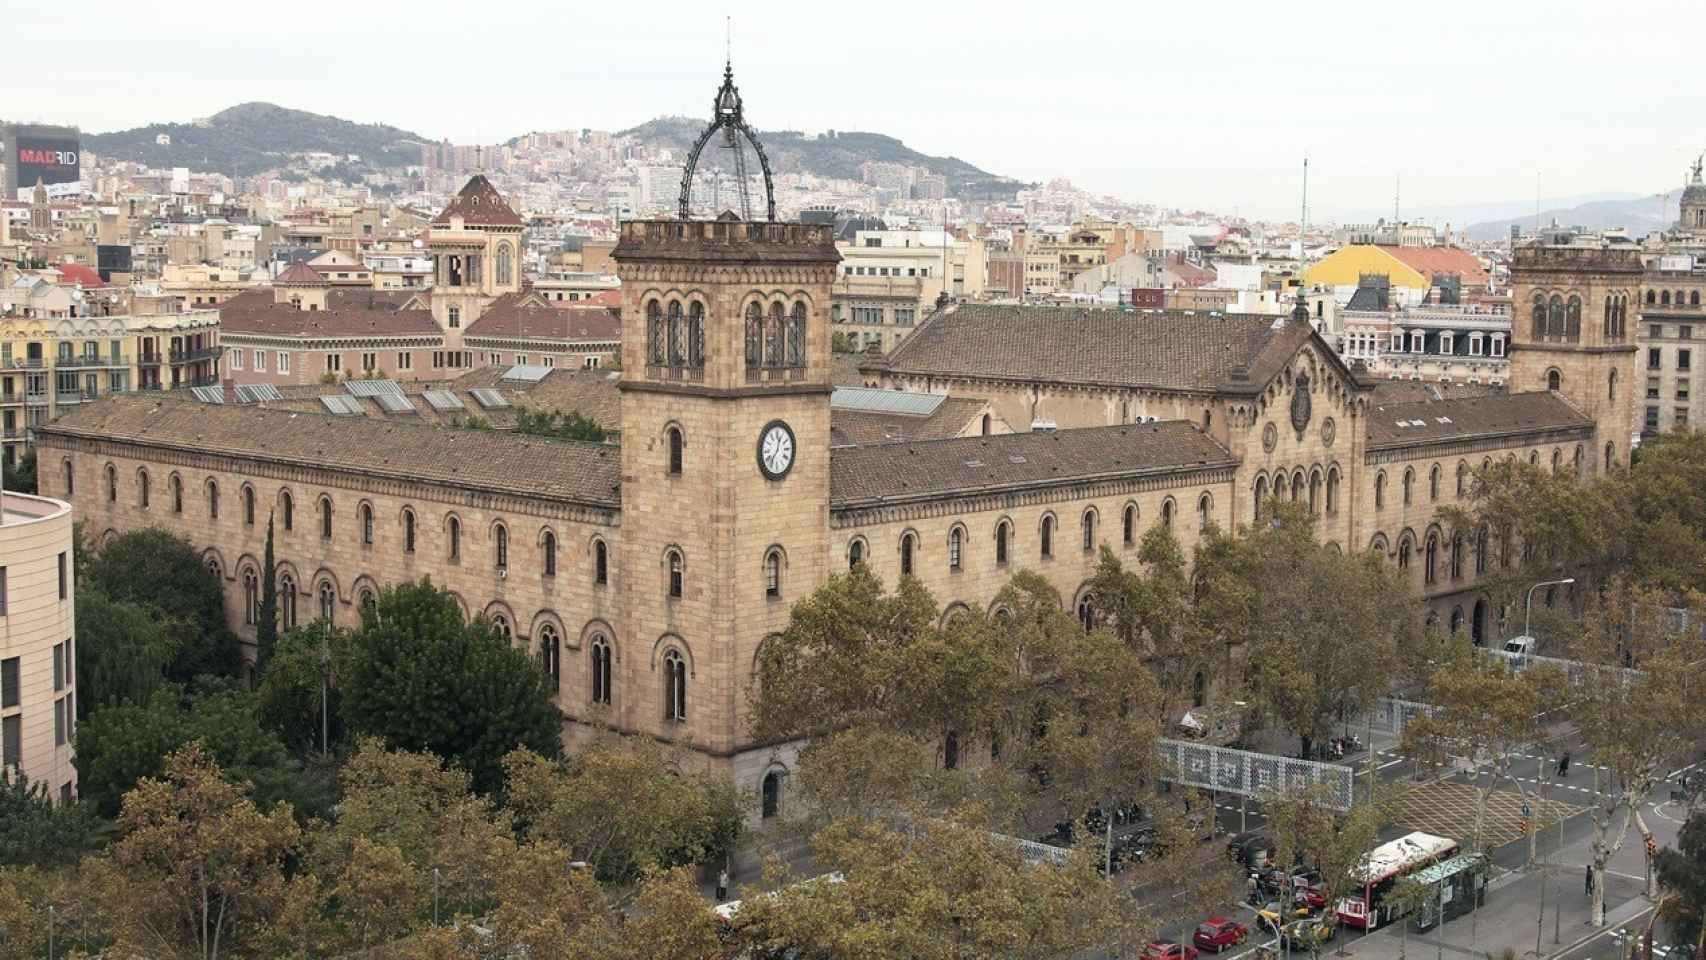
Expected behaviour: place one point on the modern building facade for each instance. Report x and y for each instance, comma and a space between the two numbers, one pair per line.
38, 677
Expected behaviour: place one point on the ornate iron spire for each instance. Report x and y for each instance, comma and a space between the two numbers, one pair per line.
727, 115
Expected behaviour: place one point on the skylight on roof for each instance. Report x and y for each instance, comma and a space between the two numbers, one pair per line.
341, 404
489, 398
443, 400
372, 388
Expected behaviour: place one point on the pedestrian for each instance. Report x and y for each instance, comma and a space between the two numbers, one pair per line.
723, 885
1589, 890
1253, 895
1564, 764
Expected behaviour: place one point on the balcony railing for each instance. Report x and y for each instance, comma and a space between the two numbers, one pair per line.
36, 399
187, 356
113, 360
30, 363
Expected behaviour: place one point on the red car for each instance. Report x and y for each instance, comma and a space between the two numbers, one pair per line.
1219, 933
1168, 950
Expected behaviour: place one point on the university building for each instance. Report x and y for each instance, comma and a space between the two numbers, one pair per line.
647, 575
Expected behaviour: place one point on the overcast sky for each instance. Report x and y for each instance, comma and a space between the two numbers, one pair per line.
1209, 104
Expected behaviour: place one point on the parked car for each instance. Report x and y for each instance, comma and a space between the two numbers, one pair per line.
1168, 950
1219, 933
1251, 849
1269, 915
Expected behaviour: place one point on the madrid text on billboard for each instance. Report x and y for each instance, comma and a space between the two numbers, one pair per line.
49, 159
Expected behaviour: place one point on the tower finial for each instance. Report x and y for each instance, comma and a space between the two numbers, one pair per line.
728, 46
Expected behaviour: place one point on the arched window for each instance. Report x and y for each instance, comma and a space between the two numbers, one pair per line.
1573, 319
212, 500
501, 626
797, 335
754, 336
1554, 380
676, 446
1481, 551
1167, 513
1199, 690
1205, 509
1694, 298
1433, 482
600, 655
248, 506
674, 686
500, 544
654, 333
600, 563
1539, 316
1430, 570
677, 573
1088, 527
1086, 613
1003, 530
366, 525
112, 484
1462, 477
287, 601
328, 601
1555, 316
1557, 459
1332, 489
855, 554
906, 550
1380, 490
1404, 553
677, 334
454, 528
773, 335
548, 547
1577, 461
1457, 556
1610, 455
287, 507
175, 485
366, 599
1409, 483
71, 486
773, 573
1534, 458
551, 653
1611, 386
325, 518
1650, 298
1314, 490
1298, 485
503, 263
956, 544
696, 334
1664, 298
1046, 547
770, 794
251, 597
408, 531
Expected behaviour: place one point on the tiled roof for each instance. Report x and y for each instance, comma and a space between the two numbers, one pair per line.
77, 273
897, 472
1169, 351
948, 420
1401, 424
486, 460
590, 393
300, 273
254, 311
1389, 391
348, 299
479, 205
1432, 261
525, 316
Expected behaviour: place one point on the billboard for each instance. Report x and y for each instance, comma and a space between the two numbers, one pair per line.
50, 155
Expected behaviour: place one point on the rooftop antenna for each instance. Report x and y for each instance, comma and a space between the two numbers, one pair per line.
1397, 191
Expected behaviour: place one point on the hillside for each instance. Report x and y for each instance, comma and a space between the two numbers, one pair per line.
1639, 215
839, 156
252, 137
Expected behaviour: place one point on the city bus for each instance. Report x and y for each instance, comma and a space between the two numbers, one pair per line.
1455, 886
1383, 868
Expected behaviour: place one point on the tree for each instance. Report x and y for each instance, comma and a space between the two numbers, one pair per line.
1308, 830
1682, 875
945, 890
1407, 896
1321, 629
156, 569
841, 342
1638, 705
123, 651
21, 477
200, 869
1487, 715
121, 745
621, 808
420, 678
266, 613
560, 425
302, 671
35, 831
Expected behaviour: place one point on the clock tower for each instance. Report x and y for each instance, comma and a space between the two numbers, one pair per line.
725, 463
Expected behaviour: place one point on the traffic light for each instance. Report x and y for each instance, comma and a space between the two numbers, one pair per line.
1652, 847
1522, 826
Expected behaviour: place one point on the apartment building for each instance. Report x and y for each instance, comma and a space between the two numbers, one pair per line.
889, 280
38, 676
1672, 326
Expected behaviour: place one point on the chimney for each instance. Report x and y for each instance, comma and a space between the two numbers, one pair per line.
230, 387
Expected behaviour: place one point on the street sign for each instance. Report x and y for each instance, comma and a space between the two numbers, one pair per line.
1525, 812
1252, 774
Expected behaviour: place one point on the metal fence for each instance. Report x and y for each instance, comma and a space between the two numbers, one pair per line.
1252, 774
1391, 715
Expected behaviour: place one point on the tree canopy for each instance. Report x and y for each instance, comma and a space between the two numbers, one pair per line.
161, 571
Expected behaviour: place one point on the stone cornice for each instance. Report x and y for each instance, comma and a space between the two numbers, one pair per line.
861, 514
1424, 449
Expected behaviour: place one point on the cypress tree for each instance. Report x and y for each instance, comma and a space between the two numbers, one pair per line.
266, 619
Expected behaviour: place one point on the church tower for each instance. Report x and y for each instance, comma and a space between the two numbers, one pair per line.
725, 460
1693, 219
1571, 333
475, 244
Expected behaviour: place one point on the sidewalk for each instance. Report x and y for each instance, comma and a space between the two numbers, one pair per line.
1511, 918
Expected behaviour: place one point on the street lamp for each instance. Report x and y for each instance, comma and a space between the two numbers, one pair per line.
1528, 605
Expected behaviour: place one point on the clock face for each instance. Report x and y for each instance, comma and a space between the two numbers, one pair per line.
775, 450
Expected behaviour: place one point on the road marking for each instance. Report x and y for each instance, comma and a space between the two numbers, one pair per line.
1388, 764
